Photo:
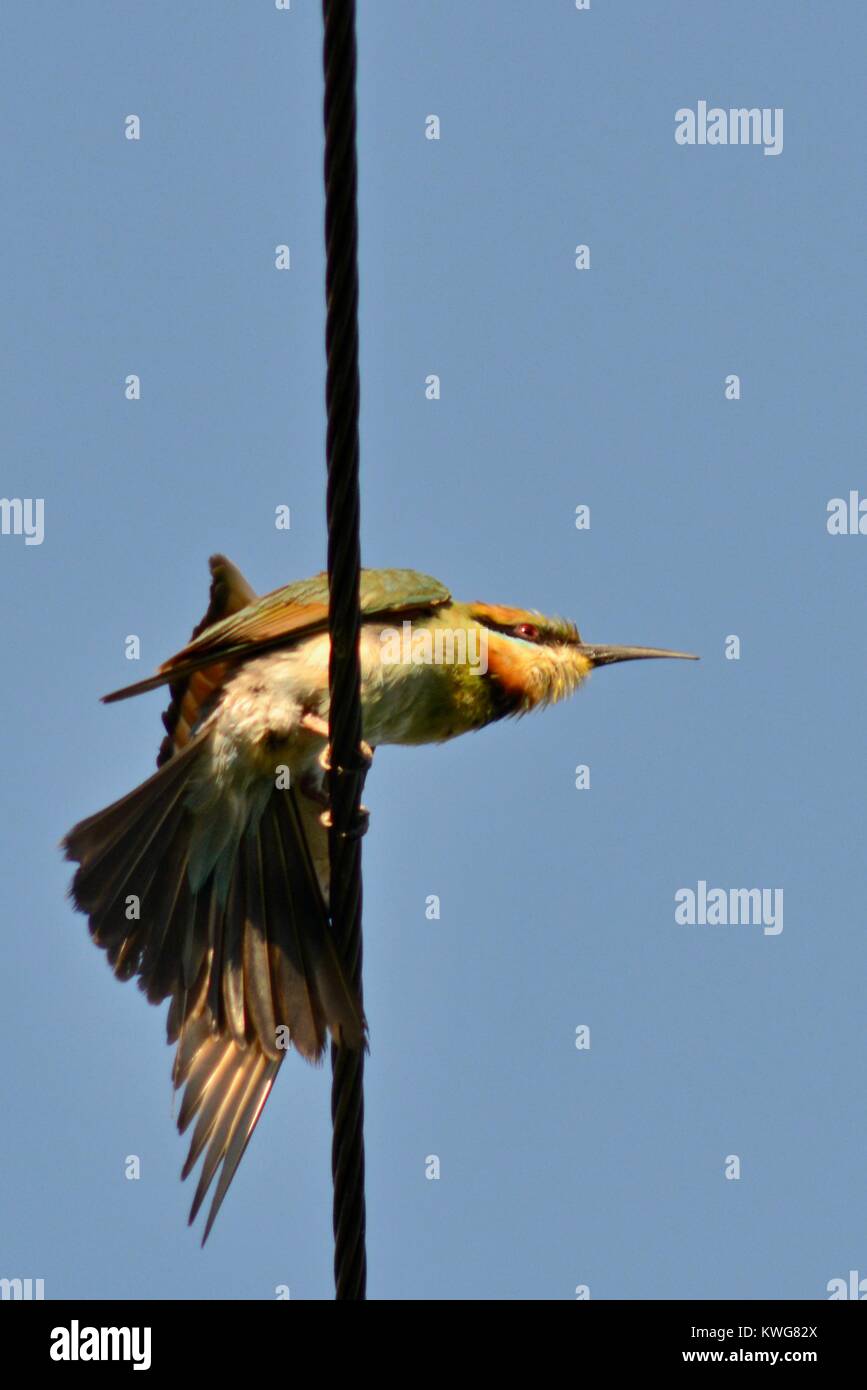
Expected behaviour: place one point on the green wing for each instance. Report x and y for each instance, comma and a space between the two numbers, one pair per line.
285, 616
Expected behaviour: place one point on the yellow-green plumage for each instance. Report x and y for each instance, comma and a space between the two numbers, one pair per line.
210, 881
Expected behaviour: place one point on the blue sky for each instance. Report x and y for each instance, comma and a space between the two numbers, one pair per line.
603, 1167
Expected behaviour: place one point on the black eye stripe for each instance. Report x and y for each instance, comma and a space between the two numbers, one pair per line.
556, 631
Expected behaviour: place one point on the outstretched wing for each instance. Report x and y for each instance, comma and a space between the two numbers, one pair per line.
248, 972
271, 974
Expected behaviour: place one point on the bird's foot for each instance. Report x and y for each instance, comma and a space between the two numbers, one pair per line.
316, 725
365, 755
359, 825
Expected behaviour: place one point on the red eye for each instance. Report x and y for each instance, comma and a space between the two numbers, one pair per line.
528, 631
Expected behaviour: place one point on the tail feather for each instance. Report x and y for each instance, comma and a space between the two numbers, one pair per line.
258, 985
232, 1130
214, 994
335, 997
224, 1077
234, 930
171, 916
195, 945
255, 1096
189, 1069
204, 1082
246, 972
290, 971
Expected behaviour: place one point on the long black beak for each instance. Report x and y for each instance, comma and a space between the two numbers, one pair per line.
606, 656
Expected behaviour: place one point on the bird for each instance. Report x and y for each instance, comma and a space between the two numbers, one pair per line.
209, 882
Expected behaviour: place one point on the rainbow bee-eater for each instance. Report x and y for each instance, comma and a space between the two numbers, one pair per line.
210, 880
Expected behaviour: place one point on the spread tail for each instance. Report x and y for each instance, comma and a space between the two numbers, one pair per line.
247, 957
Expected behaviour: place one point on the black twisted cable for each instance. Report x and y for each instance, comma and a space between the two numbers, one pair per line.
344, 577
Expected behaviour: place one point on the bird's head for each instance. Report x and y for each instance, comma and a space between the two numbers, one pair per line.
537, 660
